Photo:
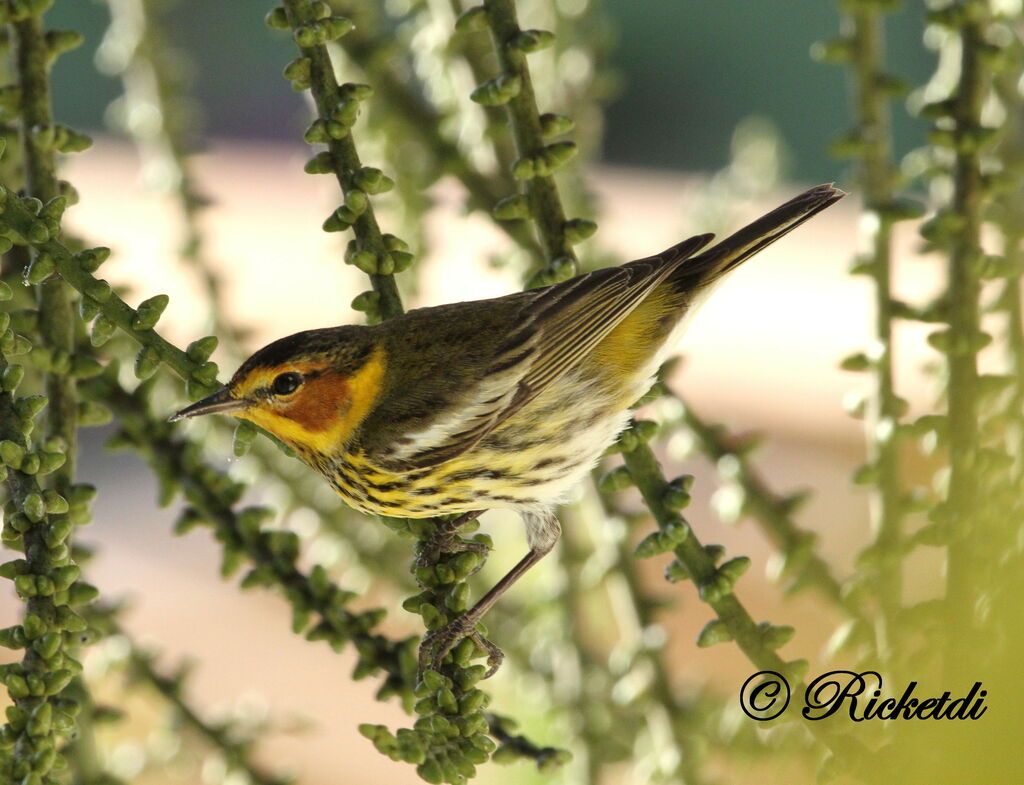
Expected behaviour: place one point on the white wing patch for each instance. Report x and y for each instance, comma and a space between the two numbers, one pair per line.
564, 324
496, 392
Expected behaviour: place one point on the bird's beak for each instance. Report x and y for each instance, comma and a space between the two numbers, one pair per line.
220, 402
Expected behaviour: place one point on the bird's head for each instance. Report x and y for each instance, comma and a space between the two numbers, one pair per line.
311, 389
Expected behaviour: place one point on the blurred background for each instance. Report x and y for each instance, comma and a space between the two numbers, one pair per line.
679, 79
684, 75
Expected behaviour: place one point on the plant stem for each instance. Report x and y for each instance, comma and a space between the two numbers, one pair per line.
772, 511
865, 28
56, 312
668, 717
963, 289
345, 157
545, 202
43, 618
670, 723
18, 217
715, 589
646, 473
403, 95
275, 564
475, 48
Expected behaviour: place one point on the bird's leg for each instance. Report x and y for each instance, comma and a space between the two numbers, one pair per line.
445, 539
542, 532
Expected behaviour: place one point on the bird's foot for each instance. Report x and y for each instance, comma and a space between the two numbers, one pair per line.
446, 539
442, 640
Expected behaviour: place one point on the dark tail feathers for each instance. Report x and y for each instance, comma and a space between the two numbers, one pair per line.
705, 269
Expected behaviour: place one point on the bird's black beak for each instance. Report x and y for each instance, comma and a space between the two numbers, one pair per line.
220, 402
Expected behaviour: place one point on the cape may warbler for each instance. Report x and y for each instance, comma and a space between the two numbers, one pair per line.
494, 403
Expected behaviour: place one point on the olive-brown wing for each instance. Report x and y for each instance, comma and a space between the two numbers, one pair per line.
546, 332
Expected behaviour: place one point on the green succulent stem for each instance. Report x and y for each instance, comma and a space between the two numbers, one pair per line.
35, 516
56, 305
344, 155
41, 560
212, 496
546, 204
110, 304
700, 565
402, 94
865, 27
770, 510
646, 473
963, 567
671, 724
32, 70
476, 50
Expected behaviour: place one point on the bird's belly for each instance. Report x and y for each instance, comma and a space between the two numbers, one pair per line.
535, 458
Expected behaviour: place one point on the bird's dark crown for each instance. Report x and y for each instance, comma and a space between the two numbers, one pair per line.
345, 347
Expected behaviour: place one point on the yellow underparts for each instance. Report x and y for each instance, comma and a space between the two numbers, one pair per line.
636, 339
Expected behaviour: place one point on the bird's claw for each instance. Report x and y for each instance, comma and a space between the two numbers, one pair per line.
442, 640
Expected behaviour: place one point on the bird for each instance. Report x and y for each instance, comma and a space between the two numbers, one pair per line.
499, 403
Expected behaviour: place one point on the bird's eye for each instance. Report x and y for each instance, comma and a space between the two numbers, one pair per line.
286, 383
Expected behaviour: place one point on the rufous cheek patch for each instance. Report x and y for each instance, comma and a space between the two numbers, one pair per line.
321, 402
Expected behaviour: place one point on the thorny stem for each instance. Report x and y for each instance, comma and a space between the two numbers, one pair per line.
865, 28
345, 157
56, 312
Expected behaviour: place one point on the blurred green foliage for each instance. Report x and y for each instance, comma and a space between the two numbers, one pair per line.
683, 88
